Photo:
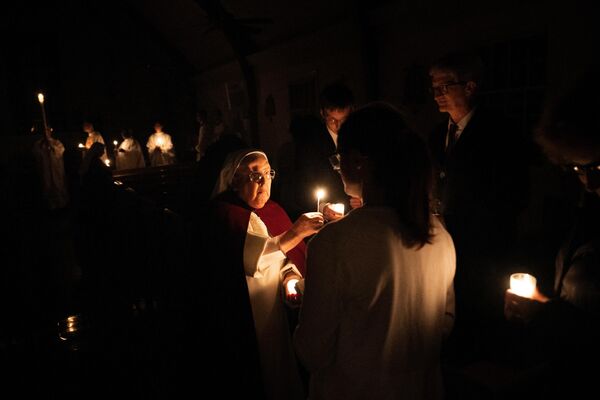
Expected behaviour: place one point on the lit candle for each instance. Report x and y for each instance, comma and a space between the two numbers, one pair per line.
80, 145
338, 208
41, 100
320, 193
115, 142
291, 286
107, 162
523, 284
160, 141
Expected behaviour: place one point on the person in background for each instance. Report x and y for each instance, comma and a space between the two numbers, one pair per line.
48, 153
480, 189
564, 327
160, 147
129, 153
93, 137
379, 295
315, 146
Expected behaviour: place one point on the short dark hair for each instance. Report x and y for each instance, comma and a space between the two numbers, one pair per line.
401, 165
569, 127
465, 65
336, 96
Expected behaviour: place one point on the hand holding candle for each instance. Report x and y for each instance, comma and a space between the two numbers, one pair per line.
333, 211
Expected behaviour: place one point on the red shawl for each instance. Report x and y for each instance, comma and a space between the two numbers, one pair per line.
233, 212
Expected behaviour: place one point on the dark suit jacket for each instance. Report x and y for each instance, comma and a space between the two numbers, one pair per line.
313, 170
483, 186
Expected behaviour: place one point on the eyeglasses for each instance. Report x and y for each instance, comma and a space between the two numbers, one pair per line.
586, 169
334, 121
443, 88
259, 177
334, 160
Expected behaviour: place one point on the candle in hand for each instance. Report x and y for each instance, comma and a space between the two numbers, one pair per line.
338, 208
291, 286
522, 284
320, 193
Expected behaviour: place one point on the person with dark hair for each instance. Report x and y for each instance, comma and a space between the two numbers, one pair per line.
565, 326
129, 153
160, 147
481, 187
314, 147
379, 288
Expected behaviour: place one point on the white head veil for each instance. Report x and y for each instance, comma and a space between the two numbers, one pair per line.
230, 166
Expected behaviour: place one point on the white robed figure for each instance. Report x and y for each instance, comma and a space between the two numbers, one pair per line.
273, 254
48, 153
160, 147
129, 153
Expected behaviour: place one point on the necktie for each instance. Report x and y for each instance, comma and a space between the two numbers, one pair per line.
451, 137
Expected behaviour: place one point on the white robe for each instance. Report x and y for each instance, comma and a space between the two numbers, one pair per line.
161, 141
374, 312
132, 156
49, 157
264, 265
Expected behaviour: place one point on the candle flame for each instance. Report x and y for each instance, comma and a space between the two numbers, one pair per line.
291, 286
107, 162
115, 142
320, 193
41, 98
80, 145
523, 284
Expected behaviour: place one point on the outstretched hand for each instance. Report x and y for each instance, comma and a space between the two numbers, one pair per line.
308, 224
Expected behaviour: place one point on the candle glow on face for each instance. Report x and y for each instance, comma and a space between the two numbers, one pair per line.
41, 98
523, 284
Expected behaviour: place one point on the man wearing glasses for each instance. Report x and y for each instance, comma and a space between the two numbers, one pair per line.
481, 186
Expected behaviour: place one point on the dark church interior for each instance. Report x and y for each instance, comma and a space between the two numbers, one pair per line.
105, 295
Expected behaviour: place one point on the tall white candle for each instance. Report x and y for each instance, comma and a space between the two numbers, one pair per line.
41, 100
320, 193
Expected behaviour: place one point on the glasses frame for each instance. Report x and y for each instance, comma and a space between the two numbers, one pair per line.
259, 177
443, 88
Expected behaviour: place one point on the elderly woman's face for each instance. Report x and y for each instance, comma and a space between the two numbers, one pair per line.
252, 182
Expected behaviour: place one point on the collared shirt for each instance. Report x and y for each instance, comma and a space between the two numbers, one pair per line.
461, 125
334, 136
